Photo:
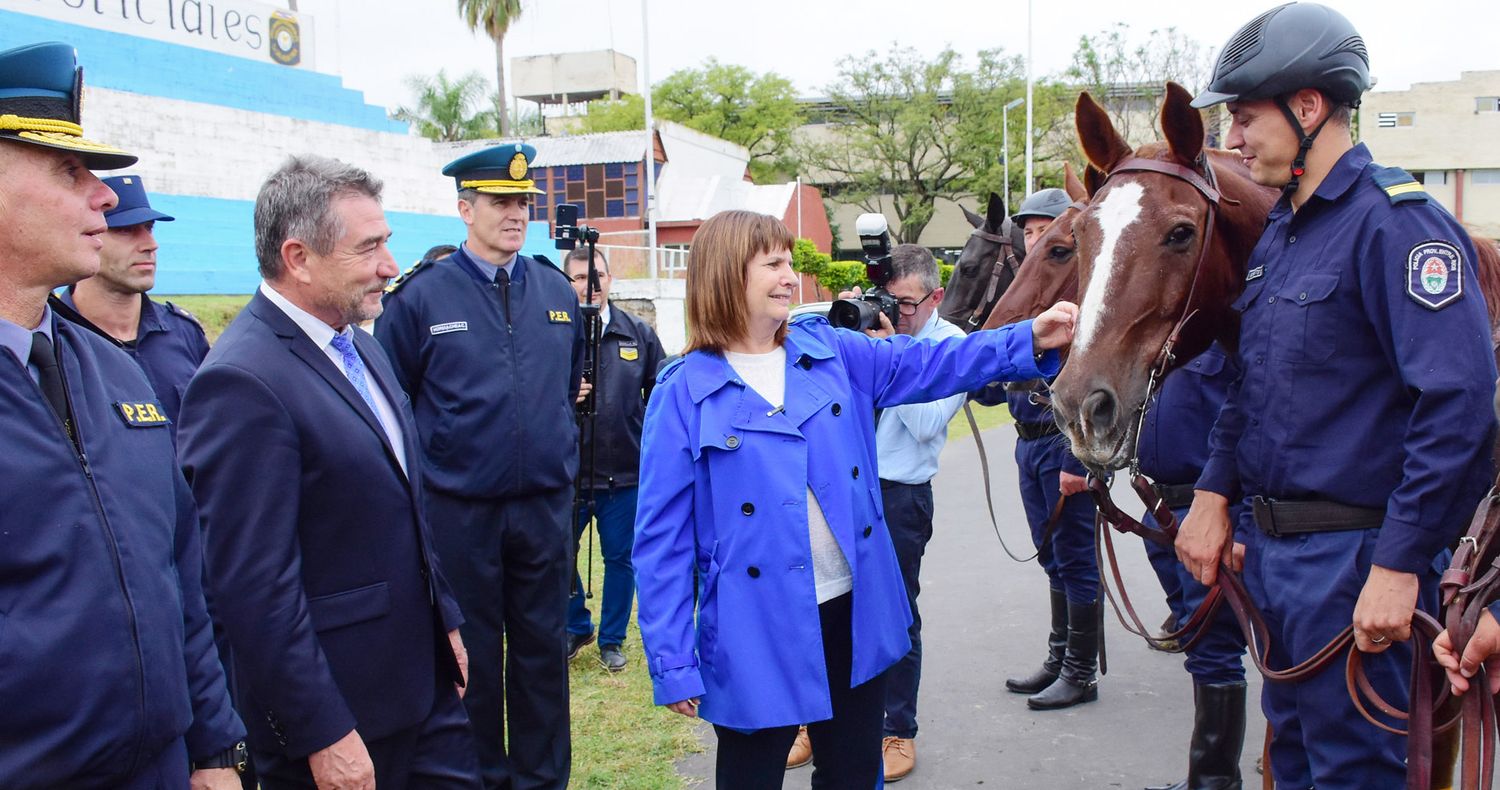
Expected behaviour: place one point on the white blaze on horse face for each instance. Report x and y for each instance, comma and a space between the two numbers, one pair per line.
1121, 207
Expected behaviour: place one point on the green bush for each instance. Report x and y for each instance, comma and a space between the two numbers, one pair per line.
843, 275
945, 271
807, 260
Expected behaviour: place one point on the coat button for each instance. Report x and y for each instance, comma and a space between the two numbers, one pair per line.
856, 473
1272, 300
837, 409
1291, 240
868, 530
748, 509
1302, 297
732, 442
753, 571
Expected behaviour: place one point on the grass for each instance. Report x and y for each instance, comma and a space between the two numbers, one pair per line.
213, 311
621, 741
986, 416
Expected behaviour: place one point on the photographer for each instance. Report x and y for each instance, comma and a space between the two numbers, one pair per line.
759, 507
629, 354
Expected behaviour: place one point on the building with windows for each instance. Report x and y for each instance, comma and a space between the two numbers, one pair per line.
1447, 134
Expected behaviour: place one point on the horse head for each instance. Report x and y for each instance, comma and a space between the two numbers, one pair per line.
984, 270
1161, 255
1049, 272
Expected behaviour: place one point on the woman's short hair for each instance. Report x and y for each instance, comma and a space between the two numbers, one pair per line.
722, 248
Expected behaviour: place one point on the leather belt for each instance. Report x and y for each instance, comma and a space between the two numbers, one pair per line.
1175, 496
1036, 430
1278, 518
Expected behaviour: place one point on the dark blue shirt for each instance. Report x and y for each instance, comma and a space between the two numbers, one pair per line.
1364, 382
493, 397
629, 355
1174, 439
169, 345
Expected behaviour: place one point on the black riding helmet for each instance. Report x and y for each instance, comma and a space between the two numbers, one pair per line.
1049, 203
1286, 49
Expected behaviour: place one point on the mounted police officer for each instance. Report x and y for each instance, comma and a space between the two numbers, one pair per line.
111, 678
489, 345
165, 339
1062, 532
1358, 434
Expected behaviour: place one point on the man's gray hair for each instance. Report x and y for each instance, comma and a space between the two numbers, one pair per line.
914, 260
296, 202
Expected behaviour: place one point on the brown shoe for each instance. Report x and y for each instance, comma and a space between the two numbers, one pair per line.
900, 756
801, 753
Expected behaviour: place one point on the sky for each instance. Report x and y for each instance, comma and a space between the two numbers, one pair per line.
375, 45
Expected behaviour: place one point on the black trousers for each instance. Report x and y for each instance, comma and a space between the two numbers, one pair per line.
437, 753
846, 748
908, 515
509, 564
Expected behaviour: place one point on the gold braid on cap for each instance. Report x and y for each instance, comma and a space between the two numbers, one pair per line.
17, 123
485, 184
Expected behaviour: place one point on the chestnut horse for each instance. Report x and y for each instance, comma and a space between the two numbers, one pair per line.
1049, 273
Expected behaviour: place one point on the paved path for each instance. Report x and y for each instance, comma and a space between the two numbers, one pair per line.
985, 616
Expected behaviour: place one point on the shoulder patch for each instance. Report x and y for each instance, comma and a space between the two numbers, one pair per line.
1435, 274
419, 266
1399, 185
178, 311
548, 264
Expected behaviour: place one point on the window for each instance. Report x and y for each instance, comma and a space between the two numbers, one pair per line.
1392, 120
1487, 104
1431, 178
1489, 175
599, 191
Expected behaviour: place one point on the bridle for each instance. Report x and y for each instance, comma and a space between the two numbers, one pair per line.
1005, 261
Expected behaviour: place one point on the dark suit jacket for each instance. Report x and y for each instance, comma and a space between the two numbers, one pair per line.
319, 562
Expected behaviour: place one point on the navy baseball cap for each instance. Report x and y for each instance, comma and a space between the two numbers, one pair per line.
501, 170
134, 208
41, 91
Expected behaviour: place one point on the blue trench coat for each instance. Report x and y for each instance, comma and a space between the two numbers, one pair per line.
724, 481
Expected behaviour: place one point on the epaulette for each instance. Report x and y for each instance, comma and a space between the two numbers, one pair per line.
419, 266
669, 367
1399, 185
542, 259
182, 312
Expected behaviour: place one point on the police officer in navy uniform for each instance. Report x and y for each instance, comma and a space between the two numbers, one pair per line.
1048, 471
629, 355
1359, 433
489, 345
1173, 449
111, 678
165, 339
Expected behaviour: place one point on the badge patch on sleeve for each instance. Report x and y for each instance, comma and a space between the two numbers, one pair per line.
1434, 274
629, 353
559, 317
451, 326
143, 414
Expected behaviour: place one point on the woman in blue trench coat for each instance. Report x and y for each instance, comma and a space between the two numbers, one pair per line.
758, 482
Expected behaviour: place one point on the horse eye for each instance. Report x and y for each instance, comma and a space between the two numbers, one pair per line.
1060, 252
1180, 235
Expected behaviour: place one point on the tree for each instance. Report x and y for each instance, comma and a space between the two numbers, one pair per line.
1129, 80
445, 109
900, 131
494, 17
759, 112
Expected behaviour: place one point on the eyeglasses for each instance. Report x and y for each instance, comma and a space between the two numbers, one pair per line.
910, 308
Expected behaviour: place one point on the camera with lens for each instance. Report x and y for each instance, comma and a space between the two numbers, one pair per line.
863, 312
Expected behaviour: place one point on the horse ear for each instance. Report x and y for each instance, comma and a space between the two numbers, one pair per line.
974, 219
1093, 179
994, 215
1182, 124
1096, 133
1071, 184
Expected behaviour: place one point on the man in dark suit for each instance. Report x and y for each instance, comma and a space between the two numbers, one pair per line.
300, 447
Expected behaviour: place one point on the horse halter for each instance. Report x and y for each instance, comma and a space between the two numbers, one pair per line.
1006, 260
1201, 177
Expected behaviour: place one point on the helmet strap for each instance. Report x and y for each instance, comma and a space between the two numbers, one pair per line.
1299, 164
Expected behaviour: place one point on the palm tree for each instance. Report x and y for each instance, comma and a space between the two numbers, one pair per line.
444, 109
494, 18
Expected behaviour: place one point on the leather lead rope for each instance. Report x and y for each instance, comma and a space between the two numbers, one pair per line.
989, 499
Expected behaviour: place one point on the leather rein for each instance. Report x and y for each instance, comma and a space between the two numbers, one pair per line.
1005, 261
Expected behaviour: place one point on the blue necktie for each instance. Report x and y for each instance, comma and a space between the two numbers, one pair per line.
354, 368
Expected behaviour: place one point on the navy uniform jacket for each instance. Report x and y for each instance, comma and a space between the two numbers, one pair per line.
169, 345
106, 648
629, 355
1368, 373
1022, 409
320, 564
1174, 440
494, 402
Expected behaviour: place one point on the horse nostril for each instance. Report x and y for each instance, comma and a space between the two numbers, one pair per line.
1099, 410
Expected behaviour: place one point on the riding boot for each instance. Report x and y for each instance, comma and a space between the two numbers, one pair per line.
1077, 682
1057, 643
1218, 736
